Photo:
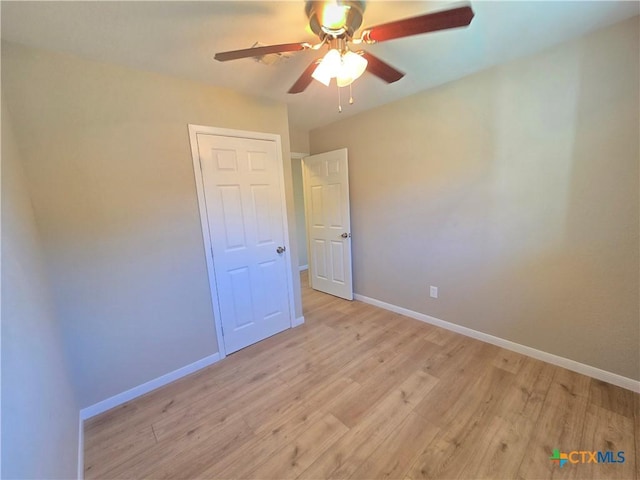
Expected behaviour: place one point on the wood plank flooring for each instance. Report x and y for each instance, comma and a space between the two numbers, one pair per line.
359, 392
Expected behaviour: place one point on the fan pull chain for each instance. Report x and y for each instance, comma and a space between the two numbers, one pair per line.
350, 94
339, 102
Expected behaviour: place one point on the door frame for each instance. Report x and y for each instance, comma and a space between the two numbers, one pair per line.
301, 156
194, 130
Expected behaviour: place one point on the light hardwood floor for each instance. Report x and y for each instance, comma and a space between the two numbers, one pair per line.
359, 392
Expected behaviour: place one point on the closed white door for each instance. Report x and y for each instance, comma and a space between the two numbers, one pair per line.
326, 200
244, 209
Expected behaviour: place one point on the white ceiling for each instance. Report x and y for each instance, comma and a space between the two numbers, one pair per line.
180, 38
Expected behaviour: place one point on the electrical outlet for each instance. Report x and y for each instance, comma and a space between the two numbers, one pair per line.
433, 291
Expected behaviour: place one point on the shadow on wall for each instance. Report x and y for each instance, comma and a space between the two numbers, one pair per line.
515, 191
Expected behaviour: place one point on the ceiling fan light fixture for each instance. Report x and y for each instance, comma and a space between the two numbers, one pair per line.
335, 23
334, 18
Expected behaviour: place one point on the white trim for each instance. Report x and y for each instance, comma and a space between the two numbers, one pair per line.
609, 377
298, 155
285, 226
80, 447
302, 268
298, 321
147, 387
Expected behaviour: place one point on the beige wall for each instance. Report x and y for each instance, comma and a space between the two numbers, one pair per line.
107, 156
515, 191
39, 408
299, 140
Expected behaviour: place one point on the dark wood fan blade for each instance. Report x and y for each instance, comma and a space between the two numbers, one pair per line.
381, 69
259, 51
305, 79
430, 22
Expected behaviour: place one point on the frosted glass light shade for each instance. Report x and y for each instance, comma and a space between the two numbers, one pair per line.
353, 65
329, 66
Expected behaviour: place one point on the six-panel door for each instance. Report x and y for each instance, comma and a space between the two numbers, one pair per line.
242, 189
326, 199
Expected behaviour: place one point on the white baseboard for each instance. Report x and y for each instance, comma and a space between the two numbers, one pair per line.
609, 377
147, 387
303, 267
298, 321
80, 447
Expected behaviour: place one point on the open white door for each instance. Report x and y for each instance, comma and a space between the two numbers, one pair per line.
326, 201
244, 220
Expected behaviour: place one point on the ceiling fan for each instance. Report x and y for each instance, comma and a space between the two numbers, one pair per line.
335, 22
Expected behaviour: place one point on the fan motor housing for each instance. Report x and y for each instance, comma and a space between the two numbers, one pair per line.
353, 19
